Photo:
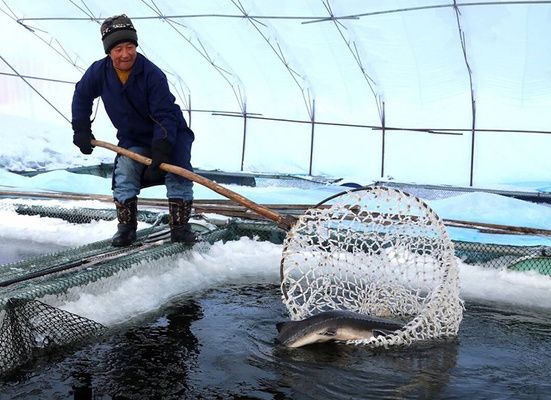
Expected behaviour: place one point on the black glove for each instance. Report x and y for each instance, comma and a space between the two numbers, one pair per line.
160, 153
82, 136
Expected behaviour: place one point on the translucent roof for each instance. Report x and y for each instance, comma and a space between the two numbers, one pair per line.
317, 79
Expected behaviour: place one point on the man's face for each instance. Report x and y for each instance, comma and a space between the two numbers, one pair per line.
123, 55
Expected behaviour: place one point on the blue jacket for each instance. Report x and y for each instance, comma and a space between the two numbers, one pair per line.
143, 110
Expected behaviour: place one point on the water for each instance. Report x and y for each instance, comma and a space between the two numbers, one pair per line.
219, 344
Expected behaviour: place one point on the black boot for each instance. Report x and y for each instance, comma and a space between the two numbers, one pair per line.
127, 216
180, 229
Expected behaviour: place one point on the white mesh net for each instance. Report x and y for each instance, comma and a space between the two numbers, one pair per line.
376, 251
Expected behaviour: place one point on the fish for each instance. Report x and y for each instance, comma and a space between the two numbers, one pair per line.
335, 325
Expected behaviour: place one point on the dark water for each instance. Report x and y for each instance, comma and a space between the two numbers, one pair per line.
220, 345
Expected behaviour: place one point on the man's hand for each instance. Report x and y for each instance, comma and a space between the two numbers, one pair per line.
82, 137
160, 153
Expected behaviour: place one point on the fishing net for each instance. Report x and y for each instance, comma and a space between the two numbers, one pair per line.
30, 324
376, 251
75, 214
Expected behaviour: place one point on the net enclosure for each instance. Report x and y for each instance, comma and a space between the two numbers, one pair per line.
29, 325
376, 251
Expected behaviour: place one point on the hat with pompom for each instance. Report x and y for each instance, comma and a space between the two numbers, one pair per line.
117, 29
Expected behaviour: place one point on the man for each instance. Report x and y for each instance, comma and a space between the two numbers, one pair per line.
139, 104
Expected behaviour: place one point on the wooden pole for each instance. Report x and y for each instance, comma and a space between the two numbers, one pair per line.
284, 222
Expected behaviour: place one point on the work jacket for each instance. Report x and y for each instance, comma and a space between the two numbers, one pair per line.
143, 109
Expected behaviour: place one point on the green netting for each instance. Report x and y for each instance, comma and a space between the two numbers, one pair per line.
485, 254
263, 231
57, 272
541, 264
70, 257
520, 258
517, 258
80, 215
27, 324
71, 267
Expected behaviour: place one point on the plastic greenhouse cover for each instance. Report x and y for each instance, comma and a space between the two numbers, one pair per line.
409, 66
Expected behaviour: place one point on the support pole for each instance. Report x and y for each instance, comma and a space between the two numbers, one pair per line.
244, 138
313, 119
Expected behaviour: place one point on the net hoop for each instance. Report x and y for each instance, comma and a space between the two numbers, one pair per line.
377, 251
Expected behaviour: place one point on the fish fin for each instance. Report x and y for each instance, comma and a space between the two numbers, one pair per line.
382, 332
329, 332
281, 325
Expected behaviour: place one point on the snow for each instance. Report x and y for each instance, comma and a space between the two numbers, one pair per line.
129, 295
476, 207
493, 209
35, 229
35, 145
149, 286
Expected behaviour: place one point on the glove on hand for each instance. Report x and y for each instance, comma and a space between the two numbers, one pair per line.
160, 153
82, 137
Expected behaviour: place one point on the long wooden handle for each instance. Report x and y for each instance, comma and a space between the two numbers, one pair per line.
284, 222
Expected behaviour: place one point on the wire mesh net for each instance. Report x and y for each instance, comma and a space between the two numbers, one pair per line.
76, 214
31, 324
375, 251
27, 324
515, 258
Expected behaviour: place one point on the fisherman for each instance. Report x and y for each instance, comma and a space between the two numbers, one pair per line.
148, 121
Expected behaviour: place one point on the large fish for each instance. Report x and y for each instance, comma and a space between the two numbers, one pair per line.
333, 326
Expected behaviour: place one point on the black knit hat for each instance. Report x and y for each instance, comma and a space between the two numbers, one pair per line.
117, 29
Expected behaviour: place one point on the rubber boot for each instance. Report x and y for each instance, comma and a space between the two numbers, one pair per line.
180, 229
127, 216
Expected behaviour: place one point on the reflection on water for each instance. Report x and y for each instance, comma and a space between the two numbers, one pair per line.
166, 345
146, 361
221, 344
338, 371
